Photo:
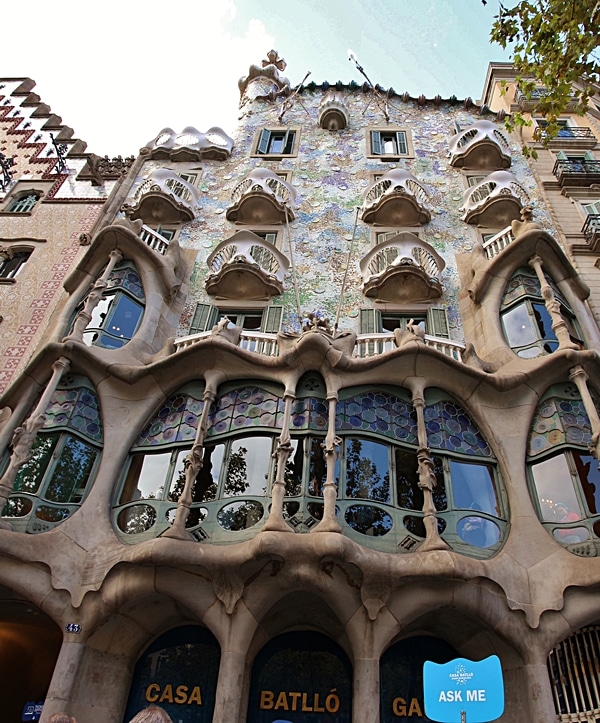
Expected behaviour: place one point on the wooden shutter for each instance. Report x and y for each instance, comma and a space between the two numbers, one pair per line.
263, 144
375, 143
271, 321
401, 143
370, 321
205, 317
589, 156
437, 323
287, 146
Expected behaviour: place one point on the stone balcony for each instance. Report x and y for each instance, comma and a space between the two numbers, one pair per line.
396, 199
191, 145
591, 231
164, 197
402, 269
262, 198
494, 202
576, 172
481, 146
246, 267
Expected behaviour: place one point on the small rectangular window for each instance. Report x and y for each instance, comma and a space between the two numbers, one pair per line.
388, 143
11, 263
276, 142
191, 178
266, 320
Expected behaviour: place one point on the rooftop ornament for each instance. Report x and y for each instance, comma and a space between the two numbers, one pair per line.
265, 80
61, 155
5, 165
376, 96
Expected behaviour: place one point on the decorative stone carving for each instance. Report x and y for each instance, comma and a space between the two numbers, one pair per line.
333, 112
265, 80
191, 145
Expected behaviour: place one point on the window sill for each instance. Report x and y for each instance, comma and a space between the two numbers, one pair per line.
10, 280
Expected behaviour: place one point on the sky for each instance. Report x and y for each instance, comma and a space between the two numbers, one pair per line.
118, 72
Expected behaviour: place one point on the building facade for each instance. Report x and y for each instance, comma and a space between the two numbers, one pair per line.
286, 415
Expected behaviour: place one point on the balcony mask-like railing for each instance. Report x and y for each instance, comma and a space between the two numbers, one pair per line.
367, 345
396, 199
496, 201
481, 146
262, 197
576, 172
404, 268
164, 197
191, 145
245, 266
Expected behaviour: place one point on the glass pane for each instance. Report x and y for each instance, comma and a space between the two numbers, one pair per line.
318, 468
146, 477
72, 471
178, 476
478, 531
473, 487
248, 466
589, 478
138, 518
408, 493
124, 317
544, 324
518, 327
367, 470
52, 514
294, 468
207, 480
368, 520
30, 475
17, 507
555, 491
240, 515
571, 535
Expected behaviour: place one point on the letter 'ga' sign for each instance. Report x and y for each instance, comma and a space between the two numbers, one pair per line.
462, 685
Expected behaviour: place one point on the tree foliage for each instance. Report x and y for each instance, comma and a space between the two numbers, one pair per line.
554, 47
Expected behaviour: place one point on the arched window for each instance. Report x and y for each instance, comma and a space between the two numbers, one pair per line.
53, 483
24, 203
564, 475
12, 261
526, 321
118, 314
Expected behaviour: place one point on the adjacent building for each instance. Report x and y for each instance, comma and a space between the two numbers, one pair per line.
285, 415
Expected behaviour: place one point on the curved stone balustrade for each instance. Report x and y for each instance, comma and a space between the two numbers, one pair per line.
191, 145
396, 199
481, 146
164, 197
404, 268
262, 197
496, 201
245, 266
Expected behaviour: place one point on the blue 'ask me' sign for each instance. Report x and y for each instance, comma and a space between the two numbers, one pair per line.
462, 685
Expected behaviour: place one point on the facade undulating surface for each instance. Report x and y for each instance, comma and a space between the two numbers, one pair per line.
287, 414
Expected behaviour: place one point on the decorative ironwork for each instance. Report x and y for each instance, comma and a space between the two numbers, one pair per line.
6, 164
61, 155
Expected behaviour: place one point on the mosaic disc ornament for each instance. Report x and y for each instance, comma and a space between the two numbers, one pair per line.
559, 421
450, 428
249, 407
176, 421
77, 409
379, 412
125, 276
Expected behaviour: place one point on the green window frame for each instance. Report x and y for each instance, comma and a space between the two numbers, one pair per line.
434, 320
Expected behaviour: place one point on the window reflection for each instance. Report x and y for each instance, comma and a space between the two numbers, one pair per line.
367, 470
473, 487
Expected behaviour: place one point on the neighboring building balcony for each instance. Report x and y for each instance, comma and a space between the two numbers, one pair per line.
366, 345
576, 172
496, 201
396, 199
402, 269
481, 146
528, 103
569, 137
591, 230
164, 197
262, 197
246, 267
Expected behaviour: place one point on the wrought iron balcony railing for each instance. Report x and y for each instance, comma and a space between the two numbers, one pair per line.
574, 171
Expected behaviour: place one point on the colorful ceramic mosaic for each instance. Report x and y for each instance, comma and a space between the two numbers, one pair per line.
309, 414
125, 276
77, 409
559, 421
176, 421
450, 428
378, 412
250, 407
525, 283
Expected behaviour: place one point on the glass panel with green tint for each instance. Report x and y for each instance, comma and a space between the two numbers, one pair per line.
31, 473
367, 470
554, 489
72, 471
473, 487
248, 467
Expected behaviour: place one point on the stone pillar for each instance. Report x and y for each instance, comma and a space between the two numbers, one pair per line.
559, 325
60, 693
284, 449
228, 701
365, 697
579, 377
332, 443
24, 436
539, 694
84, 317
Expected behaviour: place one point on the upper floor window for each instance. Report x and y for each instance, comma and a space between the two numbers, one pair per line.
526, 320
277, 142
53, 482
23, 203
118, 314
388, 143
11, 262
267, 320
433, 321
564, 474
